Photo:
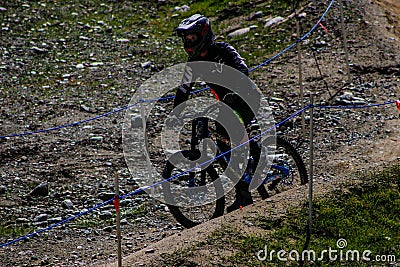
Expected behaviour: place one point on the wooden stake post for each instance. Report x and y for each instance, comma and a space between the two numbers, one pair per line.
311, 172
118, 217
345, 41
303, 131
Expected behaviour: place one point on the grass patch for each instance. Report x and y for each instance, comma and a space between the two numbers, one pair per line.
135, 212
14, 231
122, 34
365, 216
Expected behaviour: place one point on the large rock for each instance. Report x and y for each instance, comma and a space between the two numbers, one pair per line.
3, 189
40, 190
273, 21
241, 31
67, 204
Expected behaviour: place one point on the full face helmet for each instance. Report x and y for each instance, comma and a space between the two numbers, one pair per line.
196, 34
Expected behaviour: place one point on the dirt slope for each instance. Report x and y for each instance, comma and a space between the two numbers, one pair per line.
334, 168
78, 163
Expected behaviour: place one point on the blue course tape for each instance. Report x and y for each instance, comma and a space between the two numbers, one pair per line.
189, 170
69, 124
355, 107
150, 186
169, 97
298, 40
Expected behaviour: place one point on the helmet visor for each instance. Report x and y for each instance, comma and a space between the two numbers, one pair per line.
191, 40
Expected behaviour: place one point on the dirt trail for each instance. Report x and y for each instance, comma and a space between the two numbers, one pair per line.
362, 154
392, 11
376, 155
78, 163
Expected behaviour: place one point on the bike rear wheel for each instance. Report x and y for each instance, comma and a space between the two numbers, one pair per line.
286, 158
193, 214
288, 170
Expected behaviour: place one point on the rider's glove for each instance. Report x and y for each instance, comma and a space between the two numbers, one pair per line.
230, 98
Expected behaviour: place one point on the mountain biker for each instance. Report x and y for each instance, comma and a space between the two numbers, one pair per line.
200, 45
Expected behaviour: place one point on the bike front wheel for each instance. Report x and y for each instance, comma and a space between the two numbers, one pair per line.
189, 213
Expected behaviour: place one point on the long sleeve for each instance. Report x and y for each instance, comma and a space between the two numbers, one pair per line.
233, 59
182, 93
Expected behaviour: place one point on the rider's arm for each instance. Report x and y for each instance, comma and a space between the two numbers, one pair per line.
182, 93
233, 59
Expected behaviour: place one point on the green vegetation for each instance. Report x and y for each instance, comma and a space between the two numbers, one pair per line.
14, 230
93, 221
135, 212
84, 222
366, 217
76, 32
93, 50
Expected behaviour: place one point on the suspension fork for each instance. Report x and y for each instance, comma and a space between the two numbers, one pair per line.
198, 134
203, 123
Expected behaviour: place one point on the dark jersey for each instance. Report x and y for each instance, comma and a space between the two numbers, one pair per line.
225, 54
222, 54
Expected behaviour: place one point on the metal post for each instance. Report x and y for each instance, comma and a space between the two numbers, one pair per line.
303, 130
345, 41
118, 218
311, 172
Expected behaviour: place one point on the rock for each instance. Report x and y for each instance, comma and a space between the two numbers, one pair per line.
273, 21
239, 32
276, 99
96, 64
150, 250
349, 99
96, 138
143, 36
123, 40
39, 50
54, 220
146, 65
184, 8
107, 229
105, 196
84, 38
40, 190
67, 204
80, 66
105, 215
85, 108
256, 15
3, 190
320, 43
302, 15
41, 218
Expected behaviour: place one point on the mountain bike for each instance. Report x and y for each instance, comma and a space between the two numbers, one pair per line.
286, 171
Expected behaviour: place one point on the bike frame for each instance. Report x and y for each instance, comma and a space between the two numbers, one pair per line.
204, 132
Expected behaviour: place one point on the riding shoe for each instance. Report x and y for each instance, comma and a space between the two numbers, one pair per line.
243, 197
